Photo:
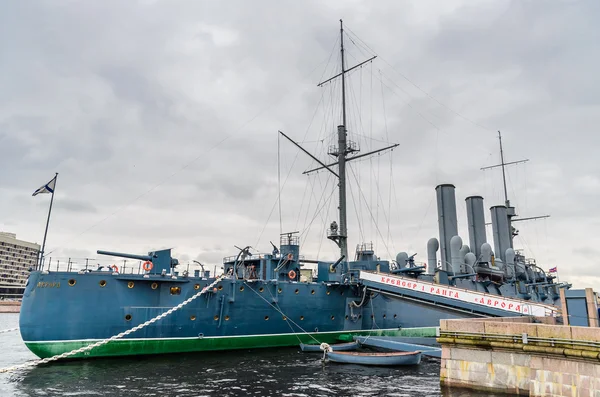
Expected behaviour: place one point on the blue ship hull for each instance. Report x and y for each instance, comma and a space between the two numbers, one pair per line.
62, 311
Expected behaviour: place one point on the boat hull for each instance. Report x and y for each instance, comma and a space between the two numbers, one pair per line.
381, 359
334, 347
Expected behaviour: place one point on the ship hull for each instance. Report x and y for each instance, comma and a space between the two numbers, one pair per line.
126, 347
64, 311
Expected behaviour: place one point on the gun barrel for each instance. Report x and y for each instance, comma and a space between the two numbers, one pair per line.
130, 256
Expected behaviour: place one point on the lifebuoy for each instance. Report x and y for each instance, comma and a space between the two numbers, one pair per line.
147, 266
292, 275
290, 256
115, 268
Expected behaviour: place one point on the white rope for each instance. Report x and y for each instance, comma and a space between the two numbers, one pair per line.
326, 349
112, 338
9, 330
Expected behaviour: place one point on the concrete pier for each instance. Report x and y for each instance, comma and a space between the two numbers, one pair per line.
529, 356
10, 306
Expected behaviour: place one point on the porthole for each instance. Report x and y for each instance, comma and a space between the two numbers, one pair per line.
102, 283
301, 318
360, 316
216, 318
196, 286
72, 282
284, 318
261, 289
220, 287
154, 285
241, 288
193, 318
266, 318
128, 317
296, 292
279, 290
346, 317
372, 316
341, 292
333, 317
312, 292
395, 315
384, 316
175, 290
328, 292
226, 318
130, 284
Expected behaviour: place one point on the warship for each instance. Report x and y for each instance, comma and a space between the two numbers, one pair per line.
281, 298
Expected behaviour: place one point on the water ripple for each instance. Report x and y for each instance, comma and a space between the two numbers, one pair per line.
266, 372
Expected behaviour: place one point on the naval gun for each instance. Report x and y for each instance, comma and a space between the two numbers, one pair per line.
161, 259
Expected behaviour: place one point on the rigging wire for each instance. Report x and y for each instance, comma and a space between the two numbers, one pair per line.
288, 175
388, 138
279, 182
360, 229
414, 84
326, 201
372, 218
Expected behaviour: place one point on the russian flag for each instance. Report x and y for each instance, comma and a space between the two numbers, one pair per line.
552, 270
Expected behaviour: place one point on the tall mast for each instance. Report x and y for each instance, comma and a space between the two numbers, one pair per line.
506, 201
342, 146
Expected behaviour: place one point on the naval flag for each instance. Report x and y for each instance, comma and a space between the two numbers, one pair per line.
553, 270
47, 188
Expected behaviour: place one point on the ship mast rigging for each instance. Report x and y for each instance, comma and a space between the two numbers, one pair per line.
344, 148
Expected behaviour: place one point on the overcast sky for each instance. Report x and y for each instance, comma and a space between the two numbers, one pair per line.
161, 118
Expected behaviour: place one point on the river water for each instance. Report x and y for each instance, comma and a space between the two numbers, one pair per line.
261, 372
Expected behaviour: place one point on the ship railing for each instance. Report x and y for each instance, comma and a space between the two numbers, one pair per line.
123, 266
252, 257
229, 259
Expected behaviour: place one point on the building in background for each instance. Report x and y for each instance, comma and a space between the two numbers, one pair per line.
16, 258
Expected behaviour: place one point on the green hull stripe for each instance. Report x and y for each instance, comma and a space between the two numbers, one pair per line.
125, 347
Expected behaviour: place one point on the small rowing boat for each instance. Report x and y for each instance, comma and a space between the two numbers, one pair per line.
384, 359
336, 347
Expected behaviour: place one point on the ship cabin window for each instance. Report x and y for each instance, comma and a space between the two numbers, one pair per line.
175, 290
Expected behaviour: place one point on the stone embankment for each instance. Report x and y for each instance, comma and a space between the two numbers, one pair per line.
530, 356
10, 306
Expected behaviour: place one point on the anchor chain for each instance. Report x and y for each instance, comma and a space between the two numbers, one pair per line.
8, 330
112, 338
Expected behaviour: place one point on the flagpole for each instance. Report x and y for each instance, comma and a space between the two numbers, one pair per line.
48, 222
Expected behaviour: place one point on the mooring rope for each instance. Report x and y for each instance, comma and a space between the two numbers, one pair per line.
112, 338
9, 330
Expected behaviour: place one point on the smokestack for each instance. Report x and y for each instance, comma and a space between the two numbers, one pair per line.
476, 220
501, 230
446, 206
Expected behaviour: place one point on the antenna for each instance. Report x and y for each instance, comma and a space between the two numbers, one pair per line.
510, 210
503, 164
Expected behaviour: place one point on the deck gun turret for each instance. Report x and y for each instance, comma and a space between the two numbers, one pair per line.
161, 259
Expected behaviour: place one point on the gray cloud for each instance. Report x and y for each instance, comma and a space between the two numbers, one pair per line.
161, 119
